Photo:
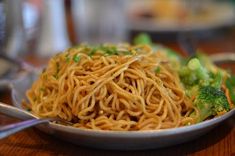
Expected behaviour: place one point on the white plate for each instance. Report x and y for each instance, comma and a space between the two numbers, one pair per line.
136, 140
220, 15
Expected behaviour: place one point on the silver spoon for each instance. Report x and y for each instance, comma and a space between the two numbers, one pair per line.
30, 120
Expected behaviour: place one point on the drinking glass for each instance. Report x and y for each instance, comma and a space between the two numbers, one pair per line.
99, 21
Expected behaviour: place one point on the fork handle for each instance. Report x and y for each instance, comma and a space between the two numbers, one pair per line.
10, 129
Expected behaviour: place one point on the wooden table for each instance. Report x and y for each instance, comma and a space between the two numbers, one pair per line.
220, 141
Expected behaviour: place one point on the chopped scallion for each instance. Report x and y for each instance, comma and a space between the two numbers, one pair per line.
92, 52
76, 58
157, 70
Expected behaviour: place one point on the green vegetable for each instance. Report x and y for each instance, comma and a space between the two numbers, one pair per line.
157, 70
92, 52
206, 61
143, 38
211, 101
194, 73
105, 49
76, 58
217, 80
109, 50
230, 84
195, 66
209, 65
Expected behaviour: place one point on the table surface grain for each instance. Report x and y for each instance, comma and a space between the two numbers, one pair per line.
218, 142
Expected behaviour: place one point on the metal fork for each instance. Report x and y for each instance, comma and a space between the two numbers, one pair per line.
8, 130
30, 120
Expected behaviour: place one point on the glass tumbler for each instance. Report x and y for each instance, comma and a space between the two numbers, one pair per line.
100, 21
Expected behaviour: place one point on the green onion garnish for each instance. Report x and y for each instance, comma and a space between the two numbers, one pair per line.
157, 70
76, 58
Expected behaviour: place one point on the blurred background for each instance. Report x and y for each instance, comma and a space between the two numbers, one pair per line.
37, 29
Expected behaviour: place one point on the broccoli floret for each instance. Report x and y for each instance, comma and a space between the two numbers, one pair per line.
209, 65
216, 79
211, 101
203, 83
206, 61
195, 66
193, 73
